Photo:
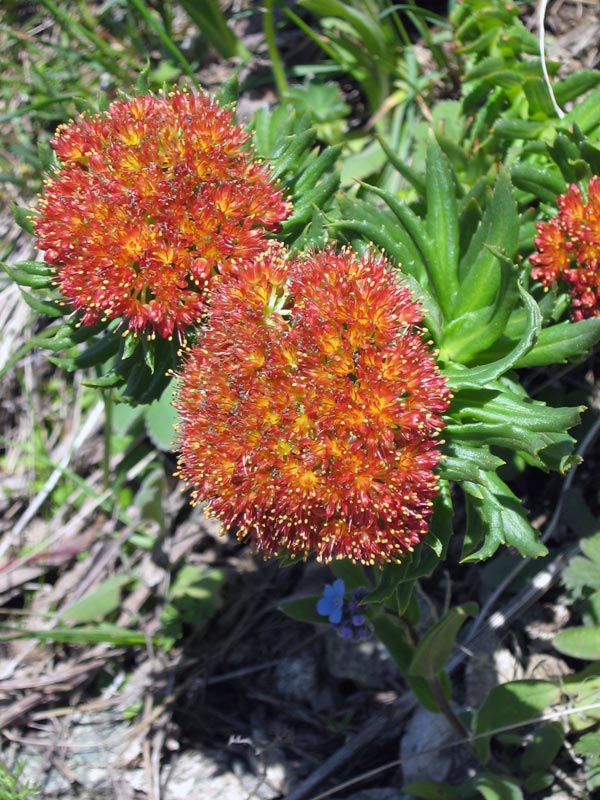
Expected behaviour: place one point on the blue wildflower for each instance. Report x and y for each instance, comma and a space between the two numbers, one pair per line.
332, 603
346, 616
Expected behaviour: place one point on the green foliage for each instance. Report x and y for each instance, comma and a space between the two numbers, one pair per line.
434, 648
194, 598
326, 107
451, 189
12, 787
288, 142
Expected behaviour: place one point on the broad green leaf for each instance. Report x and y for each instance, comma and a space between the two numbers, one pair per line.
581, 573
149, 498
579, 642
160, 419
442, 226
196, 592
590, 545
511, 706
388, 579
99, 603
588, 745
433, 651
353, 575
391, 632
492, 786
432, 790
591, 609
543, 746
303, 609
582, 691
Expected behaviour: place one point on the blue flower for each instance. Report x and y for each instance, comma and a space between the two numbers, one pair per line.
332, 603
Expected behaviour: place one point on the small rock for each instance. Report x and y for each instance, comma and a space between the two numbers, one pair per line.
296, 677
366, 662
544, 620
424, 749
489, 666
198, 775
375, 794
92, 754
546, 667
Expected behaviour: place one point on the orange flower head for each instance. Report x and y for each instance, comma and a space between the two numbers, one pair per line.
311, 406
568, 249
150, 200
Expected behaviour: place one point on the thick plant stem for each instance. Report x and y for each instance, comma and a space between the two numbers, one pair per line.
276, 63
108, 409
448, 711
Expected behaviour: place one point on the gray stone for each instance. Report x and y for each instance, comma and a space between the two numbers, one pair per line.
296, 677
196, 774
375, 794
366, 662
424, 749
489, 665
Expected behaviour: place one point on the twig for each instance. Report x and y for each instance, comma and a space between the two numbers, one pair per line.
542, 38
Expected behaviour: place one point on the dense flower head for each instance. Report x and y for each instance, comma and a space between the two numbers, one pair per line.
568, 249
310, 408
150, 199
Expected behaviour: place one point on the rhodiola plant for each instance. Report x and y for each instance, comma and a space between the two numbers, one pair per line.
349, 365
145, 203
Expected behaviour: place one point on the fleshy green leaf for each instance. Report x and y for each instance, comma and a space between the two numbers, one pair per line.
442, 226
480, 272
479, 376
496, 516
563, 342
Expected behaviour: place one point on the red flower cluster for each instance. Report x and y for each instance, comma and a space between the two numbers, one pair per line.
569, 249
153, 198
311, 406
